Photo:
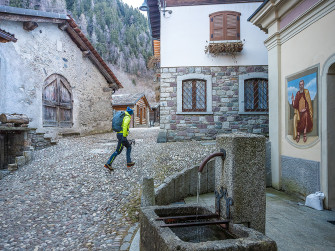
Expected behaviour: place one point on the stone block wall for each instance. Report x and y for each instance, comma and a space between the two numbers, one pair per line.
225, 116
184, 184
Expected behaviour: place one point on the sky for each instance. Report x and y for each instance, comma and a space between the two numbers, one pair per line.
310, 84
134, 3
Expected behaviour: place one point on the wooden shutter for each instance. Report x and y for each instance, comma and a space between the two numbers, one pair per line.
217, 27
224, 25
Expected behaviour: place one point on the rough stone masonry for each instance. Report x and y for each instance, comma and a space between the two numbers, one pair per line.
225, 116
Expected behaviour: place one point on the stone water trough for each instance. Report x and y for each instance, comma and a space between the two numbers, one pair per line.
238, 221
204, 237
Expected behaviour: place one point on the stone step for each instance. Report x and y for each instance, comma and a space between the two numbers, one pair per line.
69, 134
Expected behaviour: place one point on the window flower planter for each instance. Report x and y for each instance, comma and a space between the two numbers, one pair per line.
229, 47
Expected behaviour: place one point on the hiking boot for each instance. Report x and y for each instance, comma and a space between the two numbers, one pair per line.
109, 167
130, 164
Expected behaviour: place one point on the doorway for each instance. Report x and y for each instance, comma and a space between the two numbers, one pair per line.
331, 135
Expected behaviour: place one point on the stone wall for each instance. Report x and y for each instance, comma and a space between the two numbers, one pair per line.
184, 184
47, 50
224, 117
300, 177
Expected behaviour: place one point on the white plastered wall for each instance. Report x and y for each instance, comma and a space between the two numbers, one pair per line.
318, 47
185, 31
319, 43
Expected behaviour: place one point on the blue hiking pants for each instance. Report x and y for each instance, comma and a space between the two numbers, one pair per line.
119, 149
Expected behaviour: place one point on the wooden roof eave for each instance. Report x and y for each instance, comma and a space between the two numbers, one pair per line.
84, 45
123, 104
135, 102
7, 37
145, 101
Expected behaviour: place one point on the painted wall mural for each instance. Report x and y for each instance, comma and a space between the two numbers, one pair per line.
302, 97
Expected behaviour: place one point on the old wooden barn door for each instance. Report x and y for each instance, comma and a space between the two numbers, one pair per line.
57, 102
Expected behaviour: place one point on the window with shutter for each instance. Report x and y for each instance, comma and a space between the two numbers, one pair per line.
194, 95
57, 102
224, 25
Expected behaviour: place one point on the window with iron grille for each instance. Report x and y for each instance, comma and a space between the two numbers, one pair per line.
256, 95
194, 95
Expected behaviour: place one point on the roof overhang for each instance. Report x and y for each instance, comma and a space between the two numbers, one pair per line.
67, 24
87, 48
6, 37
24, 15
154, 17
271, 11
133, 102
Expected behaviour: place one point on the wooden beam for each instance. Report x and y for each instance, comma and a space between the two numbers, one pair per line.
86, 53
63, 26
29, 25
14, 118
175, 3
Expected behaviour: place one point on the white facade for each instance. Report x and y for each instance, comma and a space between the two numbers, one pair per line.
186, 31
300, 38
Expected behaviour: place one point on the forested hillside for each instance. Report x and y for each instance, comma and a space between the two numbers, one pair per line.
119, 32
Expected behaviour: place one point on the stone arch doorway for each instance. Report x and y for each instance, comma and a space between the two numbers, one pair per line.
328, 132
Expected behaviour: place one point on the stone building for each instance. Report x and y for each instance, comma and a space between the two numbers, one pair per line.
50, 72
213, 68
301, 50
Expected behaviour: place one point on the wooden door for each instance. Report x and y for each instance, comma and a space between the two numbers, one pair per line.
57, 102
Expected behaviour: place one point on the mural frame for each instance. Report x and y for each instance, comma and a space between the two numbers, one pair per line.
291, 86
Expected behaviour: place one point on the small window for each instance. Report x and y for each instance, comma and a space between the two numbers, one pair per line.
224, 25
256, 95
194, 95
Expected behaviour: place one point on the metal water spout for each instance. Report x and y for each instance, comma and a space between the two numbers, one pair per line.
222, 153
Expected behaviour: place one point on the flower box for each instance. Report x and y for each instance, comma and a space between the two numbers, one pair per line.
229, 47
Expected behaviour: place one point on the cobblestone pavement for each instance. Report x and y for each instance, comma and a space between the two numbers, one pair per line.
66, 200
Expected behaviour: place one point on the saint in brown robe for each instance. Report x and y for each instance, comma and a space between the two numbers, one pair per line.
305, 118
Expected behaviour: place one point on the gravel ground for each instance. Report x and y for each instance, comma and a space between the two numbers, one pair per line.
66, 200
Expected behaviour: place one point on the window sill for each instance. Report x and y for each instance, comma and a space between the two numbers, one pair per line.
253, 113
194, 113
225, 41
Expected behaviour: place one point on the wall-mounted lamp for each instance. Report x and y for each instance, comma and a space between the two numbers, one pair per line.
144, 6
162, 8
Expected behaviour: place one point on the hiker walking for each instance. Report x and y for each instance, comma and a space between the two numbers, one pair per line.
122, 141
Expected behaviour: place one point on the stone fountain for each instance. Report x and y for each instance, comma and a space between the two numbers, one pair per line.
238, 221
